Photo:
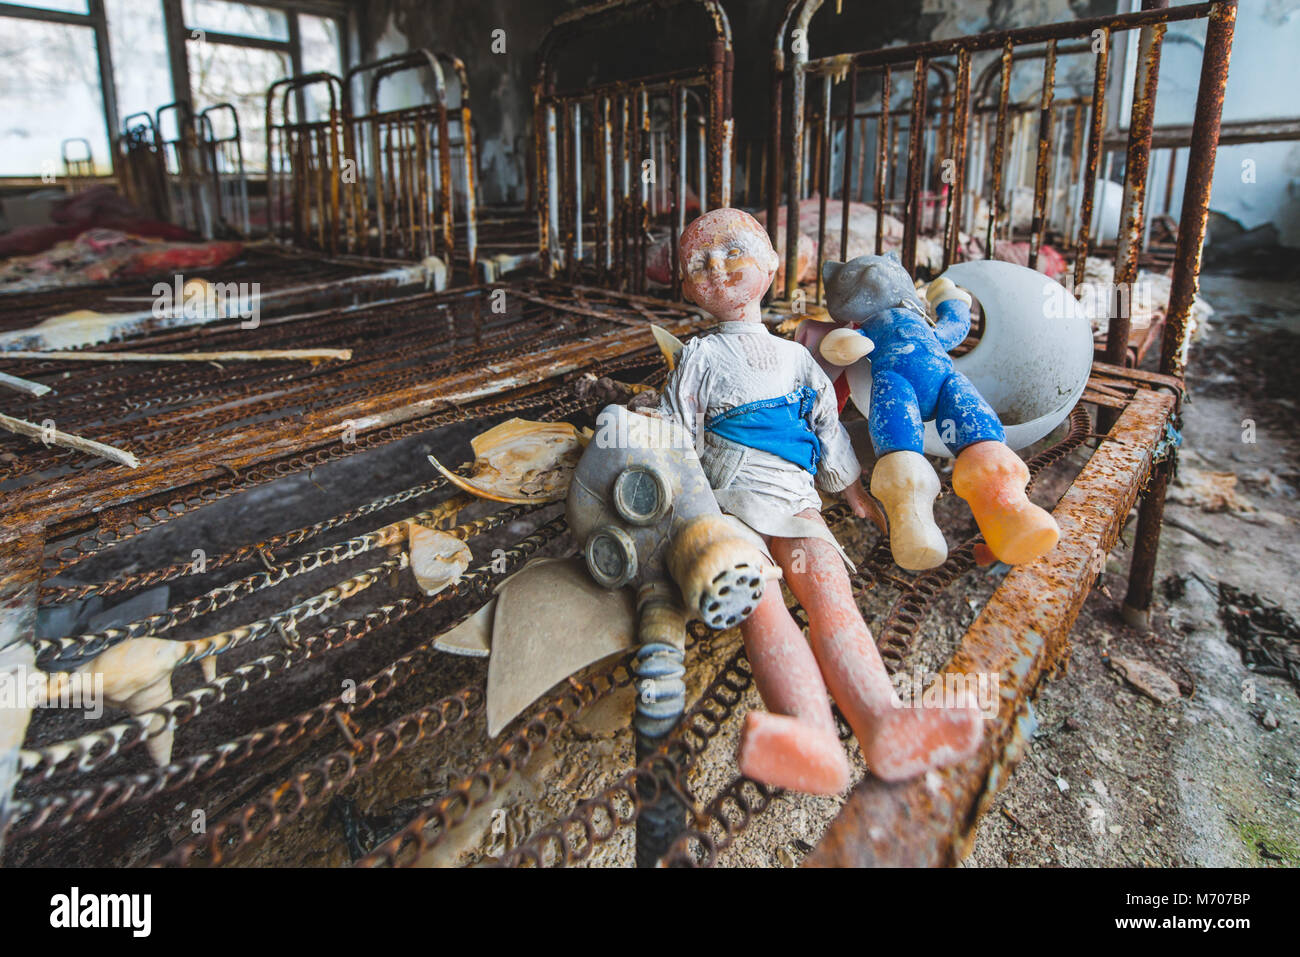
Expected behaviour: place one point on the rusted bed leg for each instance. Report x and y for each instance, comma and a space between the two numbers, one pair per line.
1187, 267
1136, 609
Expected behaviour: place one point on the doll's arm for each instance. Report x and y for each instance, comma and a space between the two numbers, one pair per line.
683, 394
839, 466
952, 306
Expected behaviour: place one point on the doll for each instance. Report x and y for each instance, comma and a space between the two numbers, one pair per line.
913, 380
770, 438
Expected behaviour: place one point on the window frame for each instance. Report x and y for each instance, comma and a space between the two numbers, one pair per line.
97, 20
178, 35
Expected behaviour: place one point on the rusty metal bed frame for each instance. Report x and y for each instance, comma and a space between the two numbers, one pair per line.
1021, 633
612, 124
383, 182
195, 179
418, 367
1059, 148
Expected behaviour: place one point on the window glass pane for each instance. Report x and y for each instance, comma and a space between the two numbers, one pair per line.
63, 6
320, 54
139, 44
240, 19
320, 44
49, 92
221, 73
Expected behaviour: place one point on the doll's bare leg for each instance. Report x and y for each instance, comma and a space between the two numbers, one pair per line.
898, 743
992, 479
794, 744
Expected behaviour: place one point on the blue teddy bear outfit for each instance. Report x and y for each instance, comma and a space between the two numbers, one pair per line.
913, 381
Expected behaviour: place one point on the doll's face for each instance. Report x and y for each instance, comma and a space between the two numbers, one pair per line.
727, 262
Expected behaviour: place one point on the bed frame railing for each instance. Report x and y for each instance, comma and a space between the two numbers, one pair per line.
598, 200
947, 107
382, 182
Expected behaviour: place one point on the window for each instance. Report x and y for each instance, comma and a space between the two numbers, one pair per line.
142, 75
321, 53
51, 78
224, 73
49, 92
236, 19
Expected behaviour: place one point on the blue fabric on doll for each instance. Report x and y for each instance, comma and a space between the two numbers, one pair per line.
779, 426
913, 381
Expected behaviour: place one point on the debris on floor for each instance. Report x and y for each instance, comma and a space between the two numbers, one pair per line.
1209, 491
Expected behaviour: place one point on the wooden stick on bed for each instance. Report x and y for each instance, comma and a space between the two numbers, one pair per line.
313, 355
52, 436
23, 385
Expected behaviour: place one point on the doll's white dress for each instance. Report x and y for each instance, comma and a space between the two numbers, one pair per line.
737, 364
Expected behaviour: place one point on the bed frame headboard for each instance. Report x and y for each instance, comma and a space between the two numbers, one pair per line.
960, 143
595, 207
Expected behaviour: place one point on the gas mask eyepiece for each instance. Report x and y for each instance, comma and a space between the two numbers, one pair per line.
642, 495
611, 556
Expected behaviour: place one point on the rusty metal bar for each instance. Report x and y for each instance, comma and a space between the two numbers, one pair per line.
997, 39
1095, 132
577, 181
625, 197
999, 150
824, 177
882, 129
915, 162
957, 188
1187, 267
642, 217
607, 187
846, 176
1044, 148
1021, 636
1136, 167
1196, 188
551, 260
677, 173
565, 135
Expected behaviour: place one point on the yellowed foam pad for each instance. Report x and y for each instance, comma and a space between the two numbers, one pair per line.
551, 620
521, 462
473, 636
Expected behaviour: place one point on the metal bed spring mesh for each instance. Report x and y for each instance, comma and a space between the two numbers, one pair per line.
321, 770
316, 778
402, 350
273, 269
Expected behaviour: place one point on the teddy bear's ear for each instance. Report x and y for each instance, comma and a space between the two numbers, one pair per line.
830, 270
892, 256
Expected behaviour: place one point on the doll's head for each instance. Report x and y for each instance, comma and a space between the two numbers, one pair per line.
862, 287
727, 262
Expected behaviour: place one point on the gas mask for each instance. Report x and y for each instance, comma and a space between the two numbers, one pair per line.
643, 510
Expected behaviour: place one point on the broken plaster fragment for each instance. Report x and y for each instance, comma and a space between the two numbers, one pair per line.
1146, 678
437, 559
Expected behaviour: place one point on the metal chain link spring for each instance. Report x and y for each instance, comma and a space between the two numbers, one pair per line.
93, 750
54, 651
